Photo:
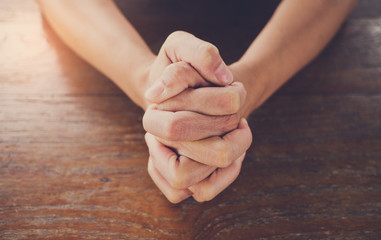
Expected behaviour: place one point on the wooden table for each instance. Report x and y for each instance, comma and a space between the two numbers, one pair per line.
73, 158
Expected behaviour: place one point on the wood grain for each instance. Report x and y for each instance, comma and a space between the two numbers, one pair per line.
73, 158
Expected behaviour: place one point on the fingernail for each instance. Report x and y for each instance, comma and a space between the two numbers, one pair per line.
223, 74
155, 91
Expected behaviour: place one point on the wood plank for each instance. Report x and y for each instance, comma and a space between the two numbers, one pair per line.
73, 158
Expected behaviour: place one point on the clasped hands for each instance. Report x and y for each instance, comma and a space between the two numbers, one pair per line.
196, 136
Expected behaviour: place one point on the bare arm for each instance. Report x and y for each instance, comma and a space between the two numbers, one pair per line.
296, 33
98, 32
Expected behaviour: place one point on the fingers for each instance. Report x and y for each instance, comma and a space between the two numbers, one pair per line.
190, 62
175, 78
204, 190
215, 151
185, 125
220, 179
208, 100
179, 172
173, 195
203, 56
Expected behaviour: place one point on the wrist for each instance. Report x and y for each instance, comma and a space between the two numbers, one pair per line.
136, 79
141, 82
256, 82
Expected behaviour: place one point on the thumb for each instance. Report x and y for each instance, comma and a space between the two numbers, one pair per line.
201, 55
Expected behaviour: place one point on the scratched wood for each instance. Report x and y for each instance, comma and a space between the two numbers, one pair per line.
73, 158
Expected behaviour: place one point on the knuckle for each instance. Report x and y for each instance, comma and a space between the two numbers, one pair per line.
175, 74
181, 71
178, 70
203, 194
175, 35
207, 53
173, 196
207, 48
208, 196
174, 128
221, 155
178, 180
174, 39
184, 69
231, 122
182, 66
175, 70
171, 73
198, 198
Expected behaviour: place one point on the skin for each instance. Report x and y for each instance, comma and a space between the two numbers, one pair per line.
195, 106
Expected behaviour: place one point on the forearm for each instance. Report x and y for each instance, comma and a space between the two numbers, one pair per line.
296, 33
99, 33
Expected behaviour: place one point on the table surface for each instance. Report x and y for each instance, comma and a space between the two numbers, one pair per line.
73, 158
